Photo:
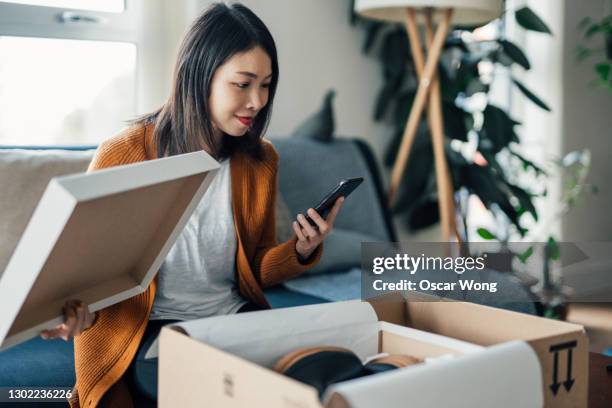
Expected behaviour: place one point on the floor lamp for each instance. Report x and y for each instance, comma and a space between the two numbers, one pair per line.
444, 12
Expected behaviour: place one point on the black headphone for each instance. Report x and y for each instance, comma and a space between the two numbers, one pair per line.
326, 365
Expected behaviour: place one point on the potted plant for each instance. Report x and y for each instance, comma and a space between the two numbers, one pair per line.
482, 147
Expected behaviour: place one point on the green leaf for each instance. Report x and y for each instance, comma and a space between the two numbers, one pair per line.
395, 53
530, 21
497, 130
353, 16
383, 101
475, 86
528, 163
448, 84
482, 182
525, 255
486, 234
525, 199
457, 42
552, 249
492, 162
584, 22
583, 53
531, 95
467, 71
454, 121
372, 29
592, 30
454, 158
551, 314
403, 103
413, 189
515, 53
501, 57
603, 70
467, 27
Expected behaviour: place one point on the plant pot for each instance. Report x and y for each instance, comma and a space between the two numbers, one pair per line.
554, 303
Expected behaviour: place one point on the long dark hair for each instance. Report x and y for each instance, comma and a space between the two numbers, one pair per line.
182, 124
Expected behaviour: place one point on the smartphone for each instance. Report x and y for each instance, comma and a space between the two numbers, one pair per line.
343, 189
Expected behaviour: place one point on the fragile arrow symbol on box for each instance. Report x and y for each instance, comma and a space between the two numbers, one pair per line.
555, 385
569, 381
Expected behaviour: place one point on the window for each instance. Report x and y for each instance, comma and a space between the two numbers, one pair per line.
114, 6
67, 77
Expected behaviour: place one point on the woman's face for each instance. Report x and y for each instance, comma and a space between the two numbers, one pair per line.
239, 90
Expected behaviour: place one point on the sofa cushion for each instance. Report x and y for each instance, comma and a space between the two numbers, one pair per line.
24, 175
342, 251
321, 124
283, 220
309, 169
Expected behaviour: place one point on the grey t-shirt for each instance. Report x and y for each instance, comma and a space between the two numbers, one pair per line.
197, 278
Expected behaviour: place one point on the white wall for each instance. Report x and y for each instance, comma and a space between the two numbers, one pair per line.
580, 118
318, 50
162, 25
587, 122
541, 132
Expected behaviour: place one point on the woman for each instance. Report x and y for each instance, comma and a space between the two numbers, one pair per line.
224, 83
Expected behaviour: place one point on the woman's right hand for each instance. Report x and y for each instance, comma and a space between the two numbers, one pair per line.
77, 319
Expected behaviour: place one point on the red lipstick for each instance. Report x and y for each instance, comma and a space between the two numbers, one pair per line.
245, 120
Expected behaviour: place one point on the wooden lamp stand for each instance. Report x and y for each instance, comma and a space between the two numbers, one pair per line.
428, 91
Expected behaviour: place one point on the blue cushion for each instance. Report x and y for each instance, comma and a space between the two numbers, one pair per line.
309, 169
279, 296
38, 363
342, 250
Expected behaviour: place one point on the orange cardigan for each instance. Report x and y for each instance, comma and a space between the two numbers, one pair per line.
104, 352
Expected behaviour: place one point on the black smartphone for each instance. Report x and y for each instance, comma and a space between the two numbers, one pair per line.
343, 189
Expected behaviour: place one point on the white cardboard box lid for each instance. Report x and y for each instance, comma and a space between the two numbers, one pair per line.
99, 237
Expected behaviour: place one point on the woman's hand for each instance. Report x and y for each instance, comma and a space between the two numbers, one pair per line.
309, 237
77, 319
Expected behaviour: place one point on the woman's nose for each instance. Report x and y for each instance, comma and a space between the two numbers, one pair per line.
256, 101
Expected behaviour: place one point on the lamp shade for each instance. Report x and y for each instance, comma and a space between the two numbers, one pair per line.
465, 11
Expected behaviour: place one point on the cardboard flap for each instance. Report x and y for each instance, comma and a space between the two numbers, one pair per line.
393, 338
466, 321
390, 308
238, 380
464, 380
99, 237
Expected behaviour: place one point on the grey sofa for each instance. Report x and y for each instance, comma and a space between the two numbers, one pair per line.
308, 169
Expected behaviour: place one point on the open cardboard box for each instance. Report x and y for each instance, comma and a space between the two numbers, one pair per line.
561, 348
98, 237
226, 361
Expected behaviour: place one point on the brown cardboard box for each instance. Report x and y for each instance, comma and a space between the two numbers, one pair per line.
562, 348
221, 374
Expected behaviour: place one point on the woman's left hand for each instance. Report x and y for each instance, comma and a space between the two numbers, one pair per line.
309, 237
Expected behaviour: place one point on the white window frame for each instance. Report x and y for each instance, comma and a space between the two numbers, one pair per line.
43, 21
36, 21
